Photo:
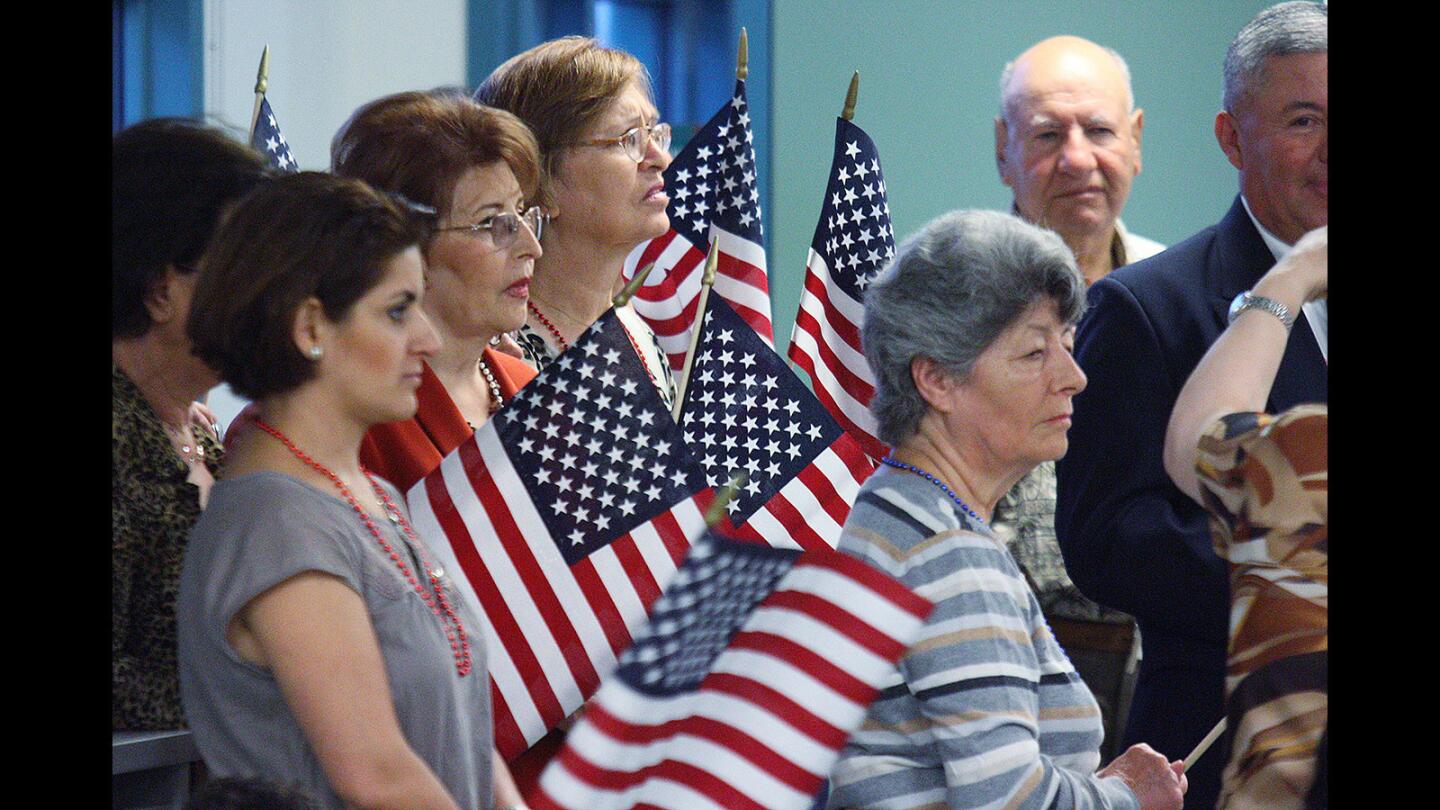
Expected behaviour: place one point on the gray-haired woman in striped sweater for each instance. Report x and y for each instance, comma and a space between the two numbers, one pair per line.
969, 333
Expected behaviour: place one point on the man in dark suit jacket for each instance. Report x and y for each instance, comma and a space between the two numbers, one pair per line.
1131, 540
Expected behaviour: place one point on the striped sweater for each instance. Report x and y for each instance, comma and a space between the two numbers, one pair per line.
986, 710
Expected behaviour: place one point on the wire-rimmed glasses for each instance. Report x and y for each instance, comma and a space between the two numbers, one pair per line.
504, 227
636, 140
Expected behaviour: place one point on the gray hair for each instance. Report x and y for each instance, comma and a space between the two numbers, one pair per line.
1009, 71
949, 292
1299, 26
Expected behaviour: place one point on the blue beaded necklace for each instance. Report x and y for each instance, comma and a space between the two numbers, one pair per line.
964, 507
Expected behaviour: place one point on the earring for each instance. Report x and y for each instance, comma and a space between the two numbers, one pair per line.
316, 352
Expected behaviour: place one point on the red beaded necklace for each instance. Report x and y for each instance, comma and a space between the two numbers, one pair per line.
544, 321
564, 344
439, 604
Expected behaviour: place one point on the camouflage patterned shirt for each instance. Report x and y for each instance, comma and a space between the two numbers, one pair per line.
1025, 520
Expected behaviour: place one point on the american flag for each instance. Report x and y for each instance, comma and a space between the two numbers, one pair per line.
852, 242
755, 667
713, 196
270, 142
745, 410
567, 513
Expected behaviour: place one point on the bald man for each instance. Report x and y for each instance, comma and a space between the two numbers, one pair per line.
1067, 142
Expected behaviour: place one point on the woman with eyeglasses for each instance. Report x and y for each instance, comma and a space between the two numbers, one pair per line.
478, 169
603, 149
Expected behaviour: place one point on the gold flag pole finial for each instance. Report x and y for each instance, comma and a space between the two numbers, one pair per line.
262, 82
707, 280
712, 263
628, 291
742, 59
848, 112
723, 499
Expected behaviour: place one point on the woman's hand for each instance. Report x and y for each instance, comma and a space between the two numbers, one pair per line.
502, 785
201, 416
569, 722
505, 344
1156, 782
1239, 368
1303, 275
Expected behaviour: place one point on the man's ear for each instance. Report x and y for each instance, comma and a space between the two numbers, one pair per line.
1227, 133
1002, 135
935, 383
1137, 126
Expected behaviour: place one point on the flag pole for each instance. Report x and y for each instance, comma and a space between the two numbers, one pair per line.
628, 291
1205, 743
742, 58
262, 82
723, 498
848, 111
706, 282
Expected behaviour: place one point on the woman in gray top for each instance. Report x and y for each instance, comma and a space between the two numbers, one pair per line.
319, 643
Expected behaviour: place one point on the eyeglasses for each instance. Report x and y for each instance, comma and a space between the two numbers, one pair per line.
503, 228
636, 140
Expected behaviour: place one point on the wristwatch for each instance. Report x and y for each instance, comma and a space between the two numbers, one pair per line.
1247, 300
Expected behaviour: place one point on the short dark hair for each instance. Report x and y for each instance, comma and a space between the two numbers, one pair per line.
170, 182
304, 235
419, 144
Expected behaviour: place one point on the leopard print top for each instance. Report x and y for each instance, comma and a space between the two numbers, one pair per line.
152, 508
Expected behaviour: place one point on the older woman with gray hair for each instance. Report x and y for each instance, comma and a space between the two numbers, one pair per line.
969, 332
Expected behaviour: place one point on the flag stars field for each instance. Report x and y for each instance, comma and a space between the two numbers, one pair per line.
270, 142
714, 196
728, 388
570, 435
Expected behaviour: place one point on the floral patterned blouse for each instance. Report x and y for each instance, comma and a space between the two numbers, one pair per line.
152, 507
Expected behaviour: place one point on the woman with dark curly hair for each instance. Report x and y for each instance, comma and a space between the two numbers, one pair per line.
171, 181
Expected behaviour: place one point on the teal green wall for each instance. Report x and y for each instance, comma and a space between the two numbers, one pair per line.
928, 96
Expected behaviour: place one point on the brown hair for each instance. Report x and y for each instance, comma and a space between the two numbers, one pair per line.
419, 144
303, 235
561, 88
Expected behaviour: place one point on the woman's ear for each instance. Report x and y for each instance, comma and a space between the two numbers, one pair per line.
311, 328
935, 383
161, 300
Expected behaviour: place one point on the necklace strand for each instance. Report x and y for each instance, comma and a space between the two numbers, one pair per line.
564, 344
439, 604
186, 444
636, 346
965, 507
544, 321
495, 399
